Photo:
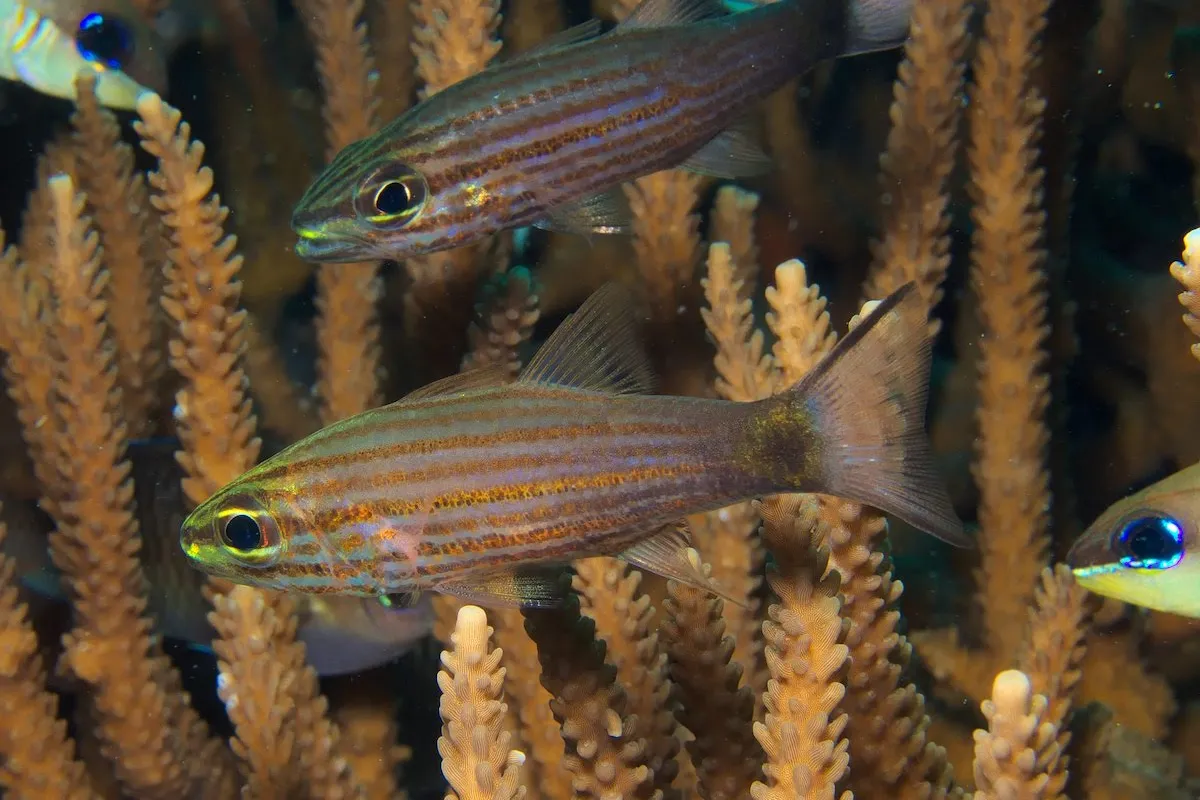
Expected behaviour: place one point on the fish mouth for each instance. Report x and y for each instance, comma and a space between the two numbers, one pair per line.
325, 250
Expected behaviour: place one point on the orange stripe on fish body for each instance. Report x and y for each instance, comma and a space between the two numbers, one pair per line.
467, 479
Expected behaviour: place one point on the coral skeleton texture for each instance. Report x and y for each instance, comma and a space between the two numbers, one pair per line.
124, 314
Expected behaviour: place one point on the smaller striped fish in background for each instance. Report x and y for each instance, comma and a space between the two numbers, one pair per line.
342, 635
548, 137
484, 491
46, 43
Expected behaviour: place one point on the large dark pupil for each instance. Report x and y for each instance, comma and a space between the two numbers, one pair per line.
104, 38
1150, 540
242, 532
393, 198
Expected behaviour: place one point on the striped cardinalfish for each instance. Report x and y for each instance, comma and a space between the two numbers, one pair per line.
342, 634
483, 490
1145, 549
46, 43
547, 138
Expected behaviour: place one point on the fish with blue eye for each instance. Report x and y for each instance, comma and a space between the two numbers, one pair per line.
46, 43
1145, 549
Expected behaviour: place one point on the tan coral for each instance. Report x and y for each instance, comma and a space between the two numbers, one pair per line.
476, 759
611, 596
603, 754
1187, 272
1012, 756
117, 200
802, 733
37, 755
711, 705
921, 153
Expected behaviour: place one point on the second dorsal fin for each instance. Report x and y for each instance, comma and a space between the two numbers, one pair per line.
661, 13
482, 378
596, 348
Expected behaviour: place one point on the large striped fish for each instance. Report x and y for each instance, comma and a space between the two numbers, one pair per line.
482, 490
547, 138
46, 43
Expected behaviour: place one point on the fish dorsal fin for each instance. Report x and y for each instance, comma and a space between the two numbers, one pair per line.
482, 378
669, 553
661, 13
732, 153
535, 586
607, 212
573, 35
596, 348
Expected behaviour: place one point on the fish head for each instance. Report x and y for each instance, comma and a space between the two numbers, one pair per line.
238, 534
393, 195
1145, 549
112, 38
278, 527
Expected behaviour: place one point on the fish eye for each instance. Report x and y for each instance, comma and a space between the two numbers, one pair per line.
1150, 542
396, 196
105, 39
248, 532
241, 532
392, 198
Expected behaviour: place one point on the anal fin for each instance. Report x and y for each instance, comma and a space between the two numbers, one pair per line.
669, 553
523, 587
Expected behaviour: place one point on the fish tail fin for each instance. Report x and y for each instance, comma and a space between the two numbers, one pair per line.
876, 24
854, 426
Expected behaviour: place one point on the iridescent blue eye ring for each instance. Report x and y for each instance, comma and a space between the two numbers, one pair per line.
104, 39
1150, 543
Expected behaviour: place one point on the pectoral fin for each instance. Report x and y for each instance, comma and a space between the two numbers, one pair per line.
732, 153
607, 213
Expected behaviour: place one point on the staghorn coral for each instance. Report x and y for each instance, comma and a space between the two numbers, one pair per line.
473, 746
827, 626
39, 758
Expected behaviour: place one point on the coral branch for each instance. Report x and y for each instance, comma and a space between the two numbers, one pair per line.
37, 758
802, 732
476, 759
605, 758
1013, 755
711, 706
143, 724
118, 202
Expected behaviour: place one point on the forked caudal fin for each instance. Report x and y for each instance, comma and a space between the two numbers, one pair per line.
854, 426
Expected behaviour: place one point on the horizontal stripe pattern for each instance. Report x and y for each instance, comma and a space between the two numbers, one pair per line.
502, 148
414, 494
